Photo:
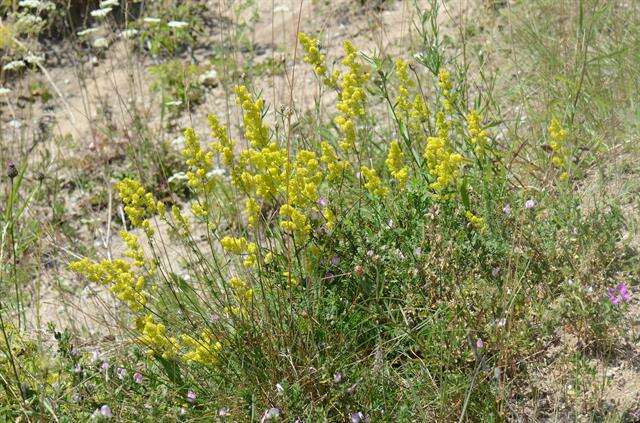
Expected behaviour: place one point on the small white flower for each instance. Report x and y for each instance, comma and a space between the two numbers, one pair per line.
178, 176
101, 43
215, 172
129, 33
279, 388
14, 65
109, 3
86, 32
151, 20
34, 59
280, 8
31, 4
178, 24
4, 91
101, 13
173, 103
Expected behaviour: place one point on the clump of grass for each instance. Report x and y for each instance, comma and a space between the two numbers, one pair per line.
395, 269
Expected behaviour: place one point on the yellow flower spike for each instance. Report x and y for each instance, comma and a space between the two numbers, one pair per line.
317, 60
443, 164
402, 102
154, 337
119, 276
394, 162
330, 218
351, 104
200, 163
134, 251
297, 222
419, 115
335, 166
223, 145
240, 246
252, 209
203, 350
476, 221
560, 152
373, 183
444, 82
479, 140
254, 129
138, 204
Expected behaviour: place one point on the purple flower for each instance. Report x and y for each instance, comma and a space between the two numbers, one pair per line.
337, 378
479, 344
105, 411
335, 260
624, 292
105, 365
224, 412
137, 377
495, 272
529, 204
506, 209
619, 294
323, 202
357, 417
272, 413
121, 372
191, 396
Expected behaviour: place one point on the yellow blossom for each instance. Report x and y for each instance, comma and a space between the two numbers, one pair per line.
138, 204
402, 101
395, 161
120, 278
317, 60
558, 144
476, 221
203, 350
479, 140
373, 183
255, 130
352, 96
154, 336
335, 166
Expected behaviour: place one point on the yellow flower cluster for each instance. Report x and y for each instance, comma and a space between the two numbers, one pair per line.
241, 289
476, 221
419, 115
395, 163
479, 139
317, 60
204, 350
444, 82
335, 167
352, 96
120, 278
200, 162
154, 336
138, 204
329, 217
296, 221
255, 131
302, 192
373, 183
557, 142
134, 251
443, 163
241, 246
263, 170
223, 145
402, 102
